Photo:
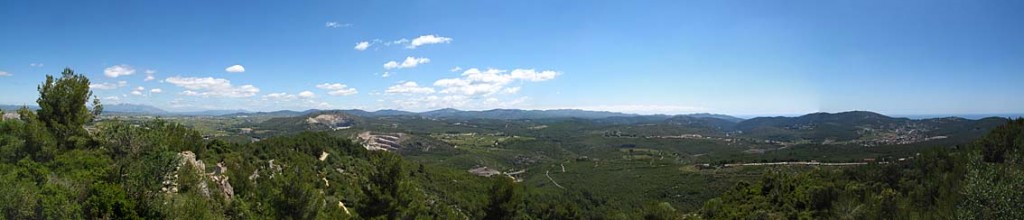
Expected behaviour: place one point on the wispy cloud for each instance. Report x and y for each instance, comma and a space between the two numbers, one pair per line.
409, 44
409, 62
473, 89
4, 73
138, 90
103, 86
211, 87
488, 82
334, 24
409, 88
108, 85
149, 75
304, 99
337, 89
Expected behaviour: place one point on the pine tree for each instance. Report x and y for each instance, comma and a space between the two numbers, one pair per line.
62, 106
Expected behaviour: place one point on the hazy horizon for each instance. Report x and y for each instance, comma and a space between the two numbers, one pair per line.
972, 116
654, 57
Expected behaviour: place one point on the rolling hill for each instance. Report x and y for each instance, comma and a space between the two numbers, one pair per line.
862, 126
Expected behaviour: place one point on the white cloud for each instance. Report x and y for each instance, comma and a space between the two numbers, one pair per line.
138, 90
337, 89
498, 103
511, 90
427, 39
35, 64
305, 99
456, 101
329, 86
409, 62
103, 86
112, 99
409, 44
361, 46
333, 24
156, 90
212, 87
279, 95
275, 95
2, 73
119, 70
473, 89
149, 75
476, 82
235, 69
108, 86
456, 69
409, 88
396, 42
532, 75
432, 102
386, 74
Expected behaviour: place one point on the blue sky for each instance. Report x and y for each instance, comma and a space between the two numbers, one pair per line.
733, 57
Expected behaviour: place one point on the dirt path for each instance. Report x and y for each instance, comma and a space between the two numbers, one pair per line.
552, 180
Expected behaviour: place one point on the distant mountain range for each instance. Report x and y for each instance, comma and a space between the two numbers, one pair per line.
843, 122
855, 125
132, 108
858, 127
11, 108
135, 109
447, 113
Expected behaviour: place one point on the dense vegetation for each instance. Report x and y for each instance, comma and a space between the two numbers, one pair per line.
983, 180
59, 162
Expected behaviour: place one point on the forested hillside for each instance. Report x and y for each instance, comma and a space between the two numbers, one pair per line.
59, 162
983, 180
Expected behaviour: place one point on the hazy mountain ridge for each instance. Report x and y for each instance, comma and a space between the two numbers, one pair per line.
862, 126
16, 107
133, 108
839, 120
449, 113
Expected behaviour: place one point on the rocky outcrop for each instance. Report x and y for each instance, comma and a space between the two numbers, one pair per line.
332, 121
274, 169
218, 176
10, 116
484, 171
386, 142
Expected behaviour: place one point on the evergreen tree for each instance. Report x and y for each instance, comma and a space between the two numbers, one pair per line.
389, 193
506, 199
62, 106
